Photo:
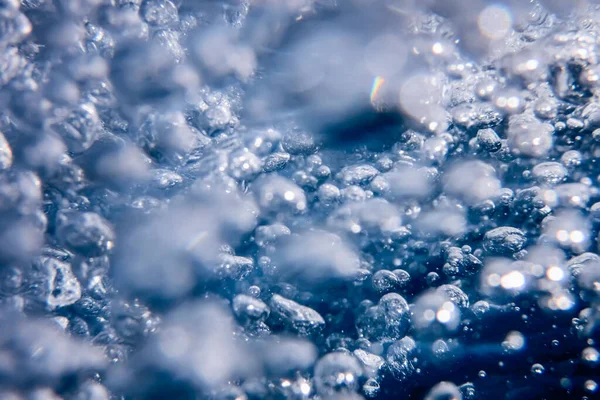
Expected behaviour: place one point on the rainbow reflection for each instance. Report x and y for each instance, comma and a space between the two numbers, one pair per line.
377, 83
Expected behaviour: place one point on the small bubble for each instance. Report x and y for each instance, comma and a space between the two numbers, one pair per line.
254, 291
444, 390
590, 355
537, 369
480, 308
590, 386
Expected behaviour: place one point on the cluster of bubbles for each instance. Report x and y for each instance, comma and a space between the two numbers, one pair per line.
299, 199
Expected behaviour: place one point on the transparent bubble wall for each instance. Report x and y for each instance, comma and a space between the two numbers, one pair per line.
299, 199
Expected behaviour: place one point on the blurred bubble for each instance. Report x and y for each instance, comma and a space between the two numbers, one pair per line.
337, 372
569, 229
420, 99
434, 313
474, 181
385, 55
494, 21
314, 256
514, 341
503, 277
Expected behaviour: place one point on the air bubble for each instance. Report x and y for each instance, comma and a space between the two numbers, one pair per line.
504, 240
336, 372
444, 390
537, 369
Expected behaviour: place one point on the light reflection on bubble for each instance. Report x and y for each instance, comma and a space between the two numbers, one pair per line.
512, 280
305, 388
560, 301
289, 195
569, 229
444, 315
555, 273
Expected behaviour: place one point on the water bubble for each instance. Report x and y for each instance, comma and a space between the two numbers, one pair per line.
86, 232
571, 158
267, 234
550, 173
455, 294
59, 286
460, 263
219, 50
480, 308
353, 193
336, 372
545, 109
420, 98
372, 363
501, 276
468, 391
444, 390
300, 319
528, 136
439, 348
474, 181
385, 281
250, 308
399, 359
278, 194
165, 179
234, 267
514, 341
569, 229
376, 217
509, 101
409, 182
489, 140
388, 319
328, 193
244, 165
432, 279
357, 174
371, 388
144, 72
537, 369
573, 194
486, 89
590, 356
504, 240
434, 313
285, 355
298, 142
158, 12
315, 255
276, 161
193, 337
590, 386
